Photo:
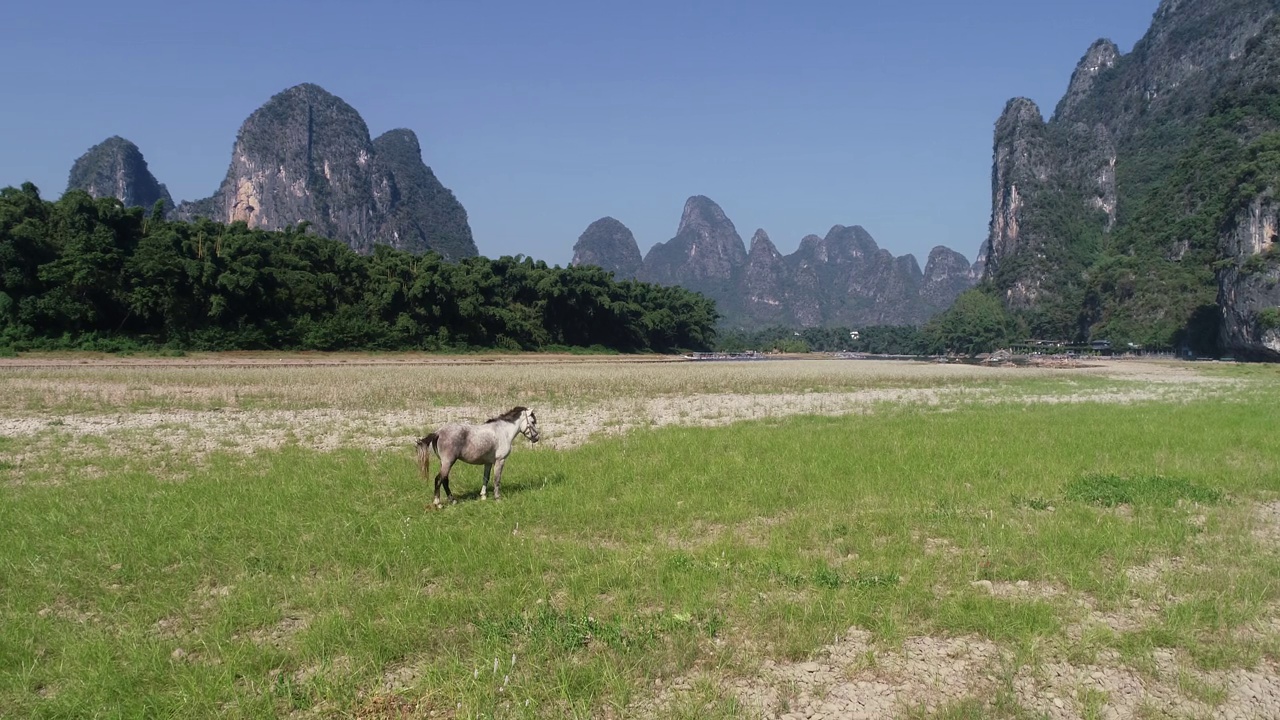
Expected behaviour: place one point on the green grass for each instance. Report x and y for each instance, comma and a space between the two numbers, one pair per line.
1113, 490
297, 579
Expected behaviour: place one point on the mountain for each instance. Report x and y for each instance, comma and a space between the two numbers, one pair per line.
115, 168
1138, 209
842, 279
706, 254
947, 273
306, 156
609, 244
424, 214
766, 282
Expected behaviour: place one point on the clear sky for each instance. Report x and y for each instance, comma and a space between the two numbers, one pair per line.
545, 116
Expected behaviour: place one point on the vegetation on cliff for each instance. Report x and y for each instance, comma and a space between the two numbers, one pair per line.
1143, 172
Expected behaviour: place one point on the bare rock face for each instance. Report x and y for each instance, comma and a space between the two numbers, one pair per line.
1248, 274
1022, 165
424, 214
115, 168
706, 255
1101, 56
609, 244
706, 252
947, 273
1249, 283
842, 279
765, 283
307, 156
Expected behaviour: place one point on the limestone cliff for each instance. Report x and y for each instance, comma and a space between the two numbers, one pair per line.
424, 214
1103, 218
765, 284
1248, 274
1249, 283
1022, 166
947, 273
609, 244
306, 155
115, 168
842, 279
705, 253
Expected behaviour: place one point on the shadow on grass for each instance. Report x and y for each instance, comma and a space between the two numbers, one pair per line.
511, 486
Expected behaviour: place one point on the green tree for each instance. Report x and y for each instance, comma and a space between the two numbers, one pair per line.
975, 323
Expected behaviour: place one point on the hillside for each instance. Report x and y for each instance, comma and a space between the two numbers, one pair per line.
1142, 210
306, 156
842, 279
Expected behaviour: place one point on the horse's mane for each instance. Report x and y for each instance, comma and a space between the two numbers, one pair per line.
510, 416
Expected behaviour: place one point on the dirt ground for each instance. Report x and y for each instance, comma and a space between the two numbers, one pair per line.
565, 423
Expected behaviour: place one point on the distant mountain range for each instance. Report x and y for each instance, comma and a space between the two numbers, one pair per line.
305, 156
843, 279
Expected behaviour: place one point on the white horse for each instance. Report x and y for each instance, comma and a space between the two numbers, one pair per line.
488, 444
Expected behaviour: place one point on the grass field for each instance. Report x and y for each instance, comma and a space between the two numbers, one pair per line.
795, 538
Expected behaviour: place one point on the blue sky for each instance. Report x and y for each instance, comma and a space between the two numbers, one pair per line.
543, 117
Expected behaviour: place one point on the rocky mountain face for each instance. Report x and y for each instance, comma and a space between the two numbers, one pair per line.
707, 253
1249, 283
609, 244
115, 168
1248, 271
842, 279
1111, 219
947, 273
306, 156
424, 214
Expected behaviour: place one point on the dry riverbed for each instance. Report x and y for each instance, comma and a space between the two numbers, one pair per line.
73, 407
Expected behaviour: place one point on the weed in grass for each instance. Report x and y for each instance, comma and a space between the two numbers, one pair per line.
1108, 490
1210, 693
1148, 710
825, 577
1092, 642
1091, 702
1034, 503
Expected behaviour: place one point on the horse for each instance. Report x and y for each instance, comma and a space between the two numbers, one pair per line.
488, 444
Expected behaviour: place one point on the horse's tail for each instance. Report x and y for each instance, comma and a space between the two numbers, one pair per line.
424, 453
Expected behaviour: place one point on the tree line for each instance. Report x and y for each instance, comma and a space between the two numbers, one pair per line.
974, 324
89, 273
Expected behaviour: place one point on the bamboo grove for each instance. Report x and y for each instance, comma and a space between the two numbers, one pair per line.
91, 274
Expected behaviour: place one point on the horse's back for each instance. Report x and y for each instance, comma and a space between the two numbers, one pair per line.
468, 443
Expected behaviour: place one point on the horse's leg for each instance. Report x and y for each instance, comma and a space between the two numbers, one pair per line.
445, 467
497, 477
436, 502
485, 482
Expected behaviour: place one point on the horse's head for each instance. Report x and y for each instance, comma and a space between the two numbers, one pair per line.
528, 425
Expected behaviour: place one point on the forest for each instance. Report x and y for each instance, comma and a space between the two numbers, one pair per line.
90, 274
